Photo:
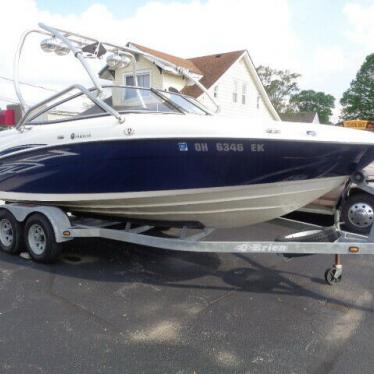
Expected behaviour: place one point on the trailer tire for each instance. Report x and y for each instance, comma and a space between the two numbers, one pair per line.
357, 213
328, 234
330, 277
40, 239
11, 232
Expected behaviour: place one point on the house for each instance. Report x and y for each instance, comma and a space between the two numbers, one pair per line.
308, 117
230, 78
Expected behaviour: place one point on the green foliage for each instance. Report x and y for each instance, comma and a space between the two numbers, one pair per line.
312, 101
283, 91
358, 100
280, 85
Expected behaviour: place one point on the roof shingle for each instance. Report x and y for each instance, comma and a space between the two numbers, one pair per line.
212, 68
185, 63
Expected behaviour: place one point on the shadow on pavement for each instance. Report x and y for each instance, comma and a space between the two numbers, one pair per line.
106, 261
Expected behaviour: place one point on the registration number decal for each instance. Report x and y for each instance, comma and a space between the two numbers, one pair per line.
225, 147
229, 147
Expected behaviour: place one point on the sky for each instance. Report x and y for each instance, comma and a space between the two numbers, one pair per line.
324, 41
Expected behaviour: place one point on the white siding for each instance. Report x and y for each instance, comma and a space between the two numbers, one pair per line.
254, 105
142, 65
171, 80
239, 72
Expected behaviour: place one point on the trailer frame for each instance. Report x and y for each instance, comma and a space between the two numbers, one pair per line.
51, 227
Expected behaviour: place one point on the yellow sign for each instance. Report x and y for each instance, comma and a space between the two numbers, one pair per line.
356, 124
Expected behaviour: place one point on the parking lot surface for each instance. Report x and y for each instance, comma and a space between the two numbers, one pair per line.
106, 307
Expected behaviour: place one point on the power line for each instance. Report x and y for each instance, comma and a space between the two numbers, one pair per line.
28, 84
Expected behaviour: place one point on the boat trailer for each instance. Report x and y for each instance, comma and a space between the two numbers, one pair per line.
43, 230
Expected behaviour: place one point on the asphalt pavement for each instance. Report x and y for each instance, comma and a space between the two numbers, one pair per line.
106, 307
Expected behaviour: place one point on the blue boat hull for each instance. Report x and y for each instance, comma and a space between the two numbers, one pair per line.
174, 164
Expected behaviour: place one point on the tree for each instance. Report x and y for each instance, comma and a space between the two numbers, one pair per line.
312, 101
358, 100
280, 85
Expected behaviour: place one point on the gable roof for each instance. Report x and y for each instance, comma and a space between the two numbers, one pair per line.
209, 69
307, 117
212, 68
185, 63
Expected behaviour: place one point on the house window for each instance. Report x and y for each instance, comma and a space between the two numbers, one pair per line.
235, 93
216, 91
144, 80
244, 93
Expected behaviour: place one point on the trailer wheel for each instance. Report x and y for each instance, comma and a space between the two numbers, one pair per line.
40, 239
357, 213
10, 233
330, 277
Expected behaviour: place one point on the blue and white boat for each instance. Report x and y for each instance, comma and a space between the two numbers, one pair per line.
150, 155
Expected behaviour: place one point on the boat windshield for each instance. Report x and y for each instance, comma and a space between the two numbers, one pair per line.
186, 104
123, 99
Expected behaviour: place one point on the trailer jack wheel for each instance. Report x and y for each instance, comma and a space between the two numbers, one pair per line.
333, 275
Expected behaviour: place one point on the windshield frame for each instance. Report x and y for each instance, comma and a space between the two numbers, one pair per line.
44, 109
189, 99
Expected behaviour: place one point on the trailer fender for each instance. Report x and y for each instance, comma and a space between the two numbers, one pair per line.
58, 218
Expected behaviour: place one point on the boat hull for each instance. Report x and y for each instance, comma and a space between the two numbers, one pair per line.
212, 207
216, 182
120, 166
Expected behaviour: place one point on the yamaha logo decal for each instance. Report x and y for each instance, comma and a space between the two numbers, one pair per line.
79, 136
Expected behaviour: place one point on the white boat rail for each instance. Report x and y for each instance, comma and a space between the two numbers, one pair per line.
107, 108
